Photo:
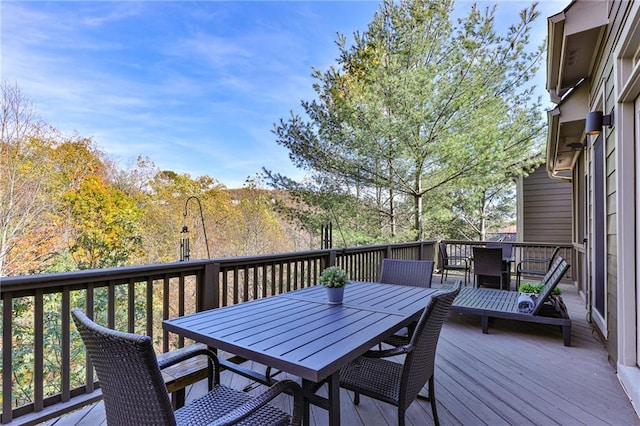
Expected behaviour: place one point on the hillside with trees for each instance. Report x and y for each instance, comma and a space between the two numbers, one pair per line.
66, 205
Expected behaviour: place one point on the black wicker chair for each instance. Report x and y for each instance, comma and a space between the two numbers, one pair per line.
490, 268
416, 273
453, 263
400, 384
406, 272
134, 392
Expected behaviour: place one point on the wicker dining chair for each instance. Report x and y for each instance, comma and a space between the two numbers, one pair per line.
134, 392
490, 268
416, 273
507, 248
399, 384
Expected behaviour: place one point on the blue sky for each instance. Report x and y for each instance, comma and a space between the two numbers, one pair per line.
194, 86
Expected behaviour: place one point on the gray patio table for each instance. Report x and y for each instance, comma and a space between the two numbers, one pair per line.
300, 333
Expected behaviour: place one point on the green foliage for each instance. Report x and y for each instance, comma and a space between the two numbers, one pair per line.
334, 276
420, 105
536, 288
104, 222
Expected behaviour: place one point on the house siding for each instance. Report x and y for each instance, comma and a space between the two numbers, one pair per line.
546, 206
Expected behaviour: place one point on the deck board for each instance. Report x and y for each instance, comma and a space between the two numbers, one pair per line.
520, 373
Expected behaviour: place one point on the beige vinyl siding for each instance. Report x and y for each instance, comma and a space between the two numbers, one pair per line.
546, 208
602, 85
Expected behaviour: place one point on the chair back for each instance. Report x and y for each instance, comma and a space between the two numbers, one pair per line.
419, 363
133, 390
507, 249
442, 248
487, 261
416, 273
550, 281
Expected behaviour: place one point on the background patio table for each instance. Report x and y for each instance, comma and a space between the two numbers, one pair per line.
300, 333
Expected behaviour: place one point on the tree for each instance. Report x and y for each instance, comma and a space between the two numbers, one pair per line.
417, 105
24, 184
104, 224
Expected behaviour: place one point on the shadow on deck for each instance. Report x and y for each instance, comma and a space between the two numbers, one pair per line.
519, 374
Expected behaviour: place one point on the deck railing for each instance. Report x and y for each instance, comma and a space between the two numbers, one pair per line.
45, 370
521, 250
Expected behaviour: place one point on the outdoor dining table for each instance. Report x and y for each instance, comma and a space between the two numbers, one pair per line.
300, 333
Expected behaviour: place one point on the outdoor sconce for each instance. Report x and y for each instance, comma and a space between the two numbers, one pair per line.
577, 146
595, 121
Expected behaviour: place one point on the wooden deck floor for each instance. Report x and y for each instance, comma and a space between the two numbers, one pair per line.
519, 374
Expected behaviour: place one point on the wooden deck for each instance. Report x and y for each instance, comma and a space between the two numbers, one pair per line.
518, 374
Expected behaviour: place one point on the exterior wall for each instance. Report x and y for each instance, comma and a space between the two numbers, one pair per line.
626, 78
602, 97
606, 176
546, 209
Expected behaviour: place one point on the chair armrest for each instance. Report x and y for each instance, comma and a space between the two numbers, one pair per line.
464, 259
244, 411
174, 357
386, 353
533, 260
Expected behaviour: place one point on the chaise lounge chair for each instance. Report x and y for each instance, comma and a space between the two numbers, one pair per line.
490, 303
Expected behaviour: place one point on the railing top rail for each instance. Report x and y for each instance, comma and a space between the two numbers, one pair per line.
515, 243
37, 281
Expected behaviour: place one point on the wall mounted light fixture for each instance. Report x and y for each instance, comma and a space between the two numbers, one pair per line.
595, 120
577, 146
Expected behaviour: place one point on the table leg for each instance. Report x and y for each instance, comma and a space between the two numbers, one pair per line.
334, 399
306, 387
331, 404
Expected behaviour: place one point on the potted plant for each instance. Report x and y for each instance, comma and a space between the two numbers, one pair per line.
536, 288
334, 279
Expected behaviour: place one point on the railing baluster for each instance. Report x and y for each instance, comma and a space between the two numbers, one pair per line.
131, 306
149, 306
66, 344
181, 304
245, 284
111, 305
225, 289
165, 311
234, 290
89, 366
38, 351
7, 357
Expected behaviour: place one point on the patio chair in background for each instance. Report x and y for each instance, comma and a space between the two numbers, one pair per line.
507, 249
535, 266
399, 384
134, 392
489, 263
417, 273
453, 263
